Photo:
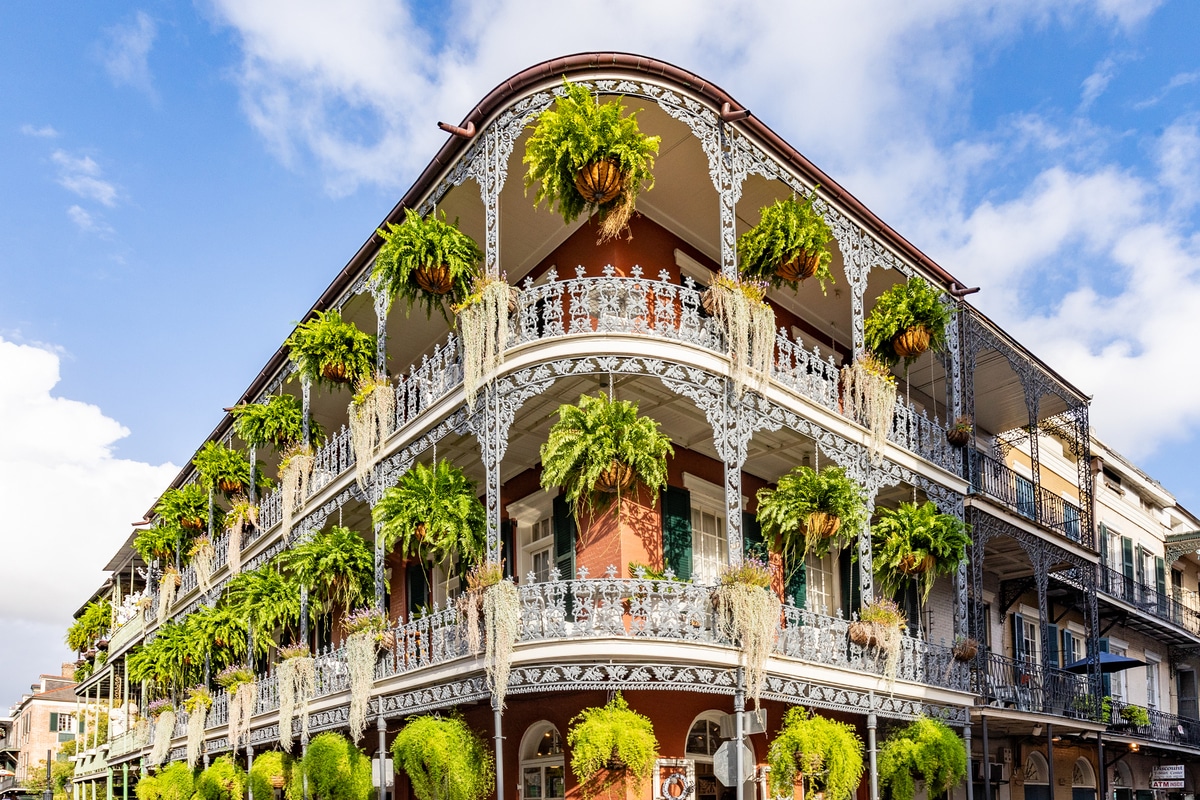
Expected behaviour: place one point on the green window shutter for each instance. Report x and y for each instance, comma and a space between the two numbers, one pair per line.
1127, 557
508, 529
851, 588
1068, 640
1103, 543
1139, 562
564, 539
1160, 576
53, 721
1018, 625
677, 531
1052, 639
795, 586
752, 538
416, 586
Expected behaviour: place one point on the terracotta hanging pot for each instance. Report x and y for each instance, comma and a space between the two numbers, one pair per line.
599, 182
192, 523
617, 476
229, 486
336, 372
958, 437
911, 342
861, 634
822, 525
911, 565
803, 266
965, 650
615, 762
435, 279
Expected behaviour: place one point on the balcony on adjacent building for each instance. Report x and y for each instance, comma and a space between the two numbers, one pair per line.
999, 482
1179, 607
1164, 728
1024, 685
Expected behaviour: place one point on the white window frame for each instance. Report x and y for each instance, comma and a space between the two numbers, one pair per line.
1153, 684
824, 566
529, 513
530, 760
707, 497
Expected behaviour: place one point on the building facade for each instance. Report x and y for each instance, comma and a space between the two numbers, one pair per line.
1050, 579
41, 721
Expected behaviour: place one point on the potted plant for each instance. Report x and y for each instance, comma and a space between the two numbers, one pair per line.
296, 677
428, 261
1137, 716
788, 245
960, 433
748, 321
881, 625
483, 328
916, 542
336, 770
271, 770
278, 422
869, 397
186, 507
372, 414
907, 320
434, 513
365, 630
748, 613
174, 782
162, 712
222, 780
925, 749
585, 156
826, 753
197, 704
811, 512
599, 448
495, 601
964, 648
238, 681
93, 624
336, 566
264, 598
610, 744
158, 542
241, 518
444, 759
224, 469
330, 351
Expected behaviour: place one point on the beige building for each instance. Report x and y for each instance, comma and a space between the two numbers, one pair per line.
42, 720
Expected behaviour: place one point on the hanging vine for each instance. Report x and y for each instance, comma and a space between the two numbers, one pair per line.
163, 714
202, 555
498, 603
297, 677
294, 473
869, 396
365, 630
371, 413
483, 327
749, 325
748, 612
197, 704
242, 515
239, 683
167, 586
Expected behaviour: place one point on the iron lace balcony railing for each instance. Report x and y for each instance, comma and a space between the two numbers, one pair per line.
1163, 727
996, 480
1179, 607
1024, 685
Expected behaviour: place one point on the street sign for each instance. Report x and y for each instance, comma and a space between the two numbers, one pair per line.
1165, 784
1167, 772
725, 763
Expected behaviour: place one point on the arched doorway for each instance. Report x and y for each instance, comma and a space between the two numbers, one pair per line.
543, 773
1083, 780
703, 740
1037, 777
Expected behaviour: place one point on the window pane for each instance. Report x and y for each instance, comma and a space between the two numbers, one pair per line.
533, 783
556, 784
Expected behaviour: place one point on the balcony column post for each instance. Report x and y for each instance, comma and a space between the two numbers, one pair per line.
872, 752
249, 767
490, 424
987, 762
125, 780
1032, 403
253, 489
305, 405
381, 728
381, 303
304, 615
739, 711
498, 735
967, 746
380, 557
1050, 756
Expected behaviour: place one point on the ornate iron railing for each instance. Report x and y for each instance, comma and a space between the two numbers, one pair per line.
1025, 686
1178, 607
998, 481
1163, 727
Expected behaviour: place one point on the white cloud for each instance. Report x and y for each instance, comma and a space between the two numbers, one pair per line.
86, 222
69, 495
44, 132
1095, 84
1177, 81
126, 50
83, 176
1178, 156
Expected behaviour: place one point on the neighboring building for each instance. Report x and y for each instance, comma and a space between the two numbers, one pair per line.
42, 721
1075, 550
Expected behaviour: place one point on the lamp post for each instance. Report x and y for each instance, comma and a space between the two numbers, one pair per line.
49, 793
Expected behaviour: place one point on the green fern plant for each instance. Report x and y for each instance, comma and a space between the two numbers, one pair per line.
907, 306
265, 598
269, 770
790, 232
925, 749
220, 634
336, 566
336, 769
159, 541
797, 515
444, 759
222, 780
92, 625
419, 245
828, 754
599, 447
227, 470
278, 422
916, 542
186, 506
434, 513
600, 736
577, 132
172, 660
330, 351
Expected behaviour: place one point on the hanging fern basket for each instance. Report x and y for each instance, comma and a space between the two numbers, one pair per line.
615, 762
599, 182
912, 342
803, 266
617, 476
434, 278
192, 523
335, 371
822, 525
965, 650
958, 437
229, 486
911, 565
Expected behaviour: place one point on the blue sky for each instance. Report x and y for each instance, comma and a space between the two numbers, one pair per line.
181, 180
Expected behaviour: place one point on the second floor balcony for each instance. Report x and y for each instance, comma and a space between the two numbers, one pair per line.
1024, 685
1178, 607
998, 481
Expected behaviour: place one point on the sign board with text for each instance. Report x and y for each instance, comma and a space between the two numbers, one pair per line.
1166, 784
1167, 772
